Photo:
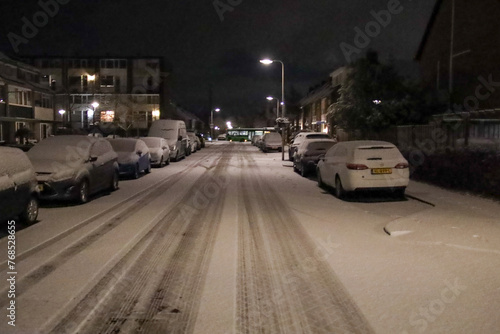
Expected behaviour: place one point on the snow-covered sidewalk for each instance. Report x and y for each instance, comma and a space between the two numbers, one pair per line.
454, 218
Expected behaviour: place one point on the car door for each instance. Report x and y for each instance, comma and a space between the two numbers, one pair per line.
98, 168
10, 202
327, 170
140, 146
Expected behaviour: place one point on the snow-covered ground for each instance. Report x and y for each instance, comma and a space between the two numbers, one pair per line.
231, 240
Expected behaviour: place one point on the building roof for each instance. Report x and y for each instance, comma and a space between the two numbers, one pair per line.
428, 29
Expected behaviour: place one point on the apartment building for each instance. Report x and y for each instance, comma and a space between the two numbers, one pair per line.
106, 94
27, 105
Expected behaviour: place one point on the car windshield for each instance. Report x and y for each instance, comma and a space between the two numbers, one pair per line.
151, 142
123, 145
60, 149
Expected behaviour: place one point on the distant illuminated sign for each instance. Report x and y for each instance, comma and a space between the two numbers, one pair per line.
107, 116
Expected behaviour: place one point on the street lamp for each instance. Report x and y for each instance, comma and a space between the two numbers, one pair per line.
94, 104
269, 62
270, 98
212, 121
62, 112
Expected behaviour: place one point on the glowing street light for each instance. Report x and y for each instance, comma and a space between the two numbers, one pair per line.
212, 121
269, 62
270, 98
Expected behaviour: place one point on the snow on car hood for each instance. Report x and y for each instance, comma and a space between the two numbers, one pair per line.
127, 157
56, 170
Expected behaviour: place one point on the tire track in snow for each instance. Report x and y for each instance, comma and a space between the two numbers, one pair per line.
283, 287
138, 201
161, 291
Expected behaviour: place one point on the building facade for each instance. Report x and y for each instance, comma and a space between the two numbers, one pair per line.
318, 106
27, 104
106, 94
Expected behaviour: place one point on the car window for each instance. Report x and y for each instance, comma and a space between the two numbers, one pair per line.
99, 148
377, 153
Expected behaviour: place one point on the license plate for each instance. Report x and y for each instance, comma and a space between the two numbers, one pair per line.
382, 171
40, 187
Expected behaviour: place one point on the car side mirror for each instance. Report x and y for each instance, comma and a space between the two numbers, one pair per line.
139, 153
164, 148
93, 159
179, 138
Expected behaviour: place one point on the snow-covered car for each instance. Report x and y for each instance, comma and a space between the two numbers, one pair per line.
202, 140
194, 138
74, 167
300, 137
133, 156
158, 150
308, 152
364, 165
271, 141
194, 141
18, 186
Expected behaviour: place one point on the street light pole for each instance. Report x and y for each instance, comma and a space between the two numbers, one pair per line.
283, 104
212, 121
270, 98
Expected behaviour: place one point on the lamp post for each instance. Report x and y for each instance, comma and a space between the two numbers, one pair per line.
94, 105
270, 98
212, 121
283, 107
62, 112
269, 62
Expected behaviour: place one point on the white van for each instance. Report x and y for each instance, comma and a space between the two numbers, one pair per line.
174, 131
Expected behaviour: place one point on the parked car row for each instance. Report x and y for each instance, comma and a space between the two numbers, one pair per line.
349, 166
73, 167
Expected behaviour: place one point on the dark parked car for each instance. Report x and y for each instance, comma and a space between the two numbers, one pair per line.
307, 155
18, 186
133, 156
74, 167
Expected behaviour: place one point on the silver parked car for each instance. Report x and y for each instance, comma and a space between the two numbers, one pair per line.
307, 155
73, 167
271, 141
158, 150
18, 186
133, 156
364, 165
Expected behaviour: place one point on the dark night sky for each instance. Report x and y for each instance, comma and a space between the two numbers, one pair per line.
203, 50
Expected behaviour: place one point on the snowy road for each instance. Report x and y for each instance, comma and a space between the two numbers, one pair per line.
230, 240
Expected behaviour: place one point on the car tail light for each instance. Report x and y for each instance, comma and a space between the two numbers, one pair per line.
356, 166
402, 165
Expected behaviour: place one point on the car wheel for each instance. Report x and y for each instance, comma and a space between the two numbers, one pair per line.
176, 158
114, 181
295, 169
83, 191
148, 168
290, 156
168, 161
136, 172
303, 170
339, 190
30, 213
320, 180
